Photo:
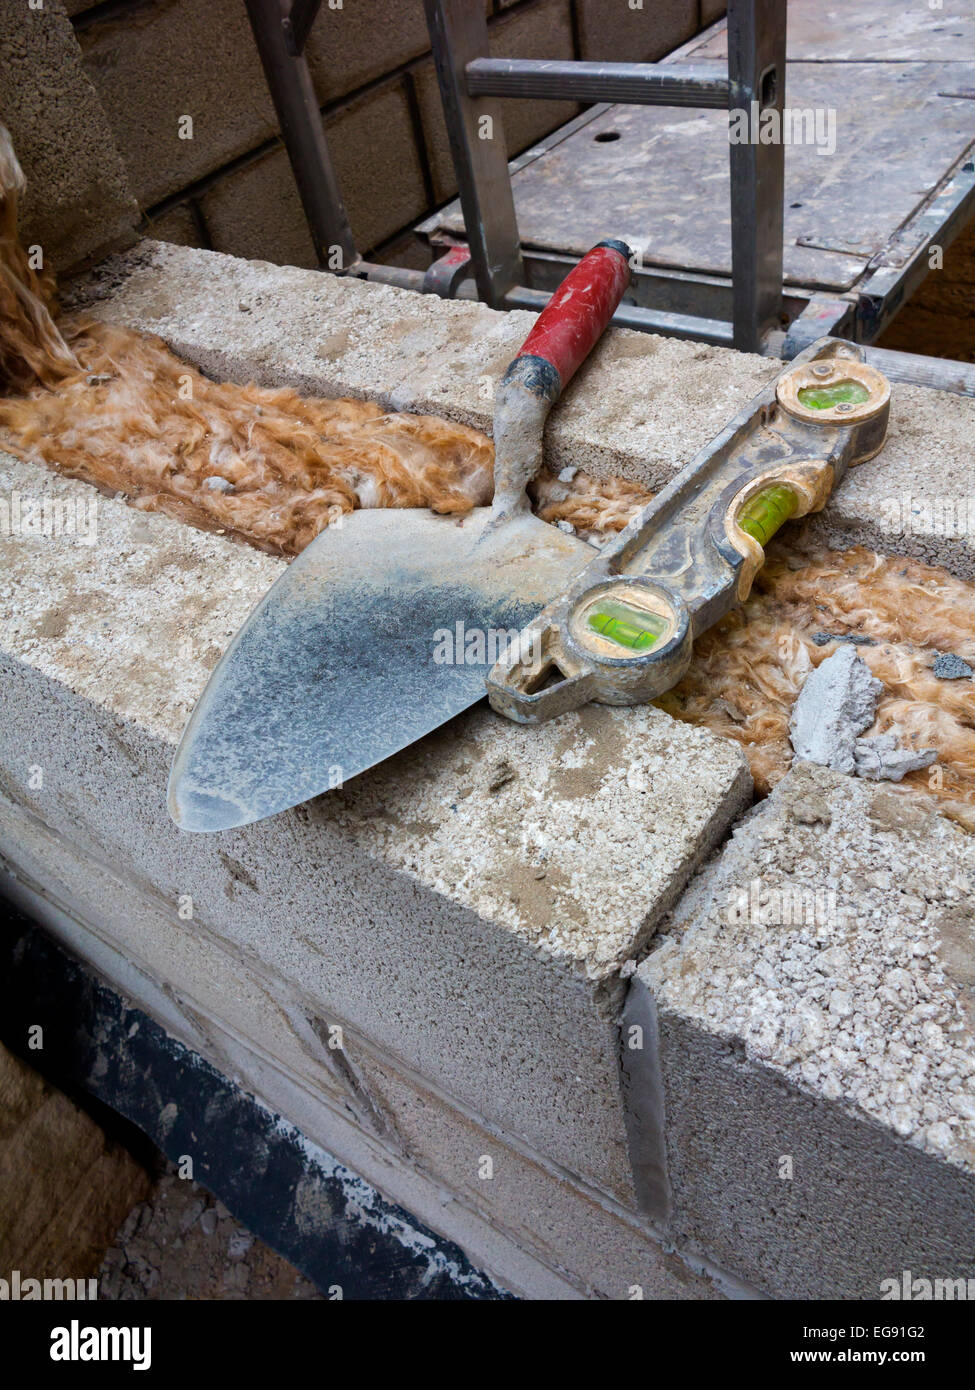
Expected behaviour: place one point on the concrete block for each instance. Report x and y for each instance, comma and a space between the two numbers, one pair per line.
613, 31
813, 998
245, 1021
917, 497
360, 42
535, 31
101, 908
320, 1118
604, 1250
641, 407
411, 904
154, 65
78, 204
408, 251
177, 226
377, 164
256, 212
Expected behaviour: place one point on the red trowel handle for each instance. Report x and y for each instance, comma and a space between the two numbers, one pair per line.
565, 332
574, 319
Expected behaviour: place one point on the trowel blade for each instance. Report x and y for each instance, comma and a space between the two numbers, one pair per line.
342, 663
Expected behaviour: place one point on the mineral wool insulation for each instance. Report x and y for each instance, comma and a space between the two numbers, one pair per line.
119, 410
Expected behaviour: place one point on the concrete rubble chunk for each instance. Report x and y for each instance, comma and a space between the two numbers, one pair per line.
882, 759
950, 667
835, 705
78, 202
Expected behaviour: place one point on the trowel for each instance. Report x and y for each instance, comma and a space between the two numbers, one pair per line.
364, 644
386, 625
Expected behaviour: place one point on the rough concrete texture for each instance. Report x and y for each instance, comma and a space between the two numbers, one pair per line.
641, 407
530, 809
917, 497
623, 413
814, 999
256, 211
392, 1126
623, 33
362, 902
78, 203
835, 704
949, 667
155, 64
885, 759
178, 225
182, 1244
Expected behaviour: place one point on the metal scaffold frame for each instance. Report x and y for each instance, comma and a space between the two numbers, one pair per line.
472, 85
750, 311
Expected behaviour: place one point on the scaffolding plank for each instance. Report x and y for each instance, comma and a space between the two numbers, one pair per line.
869, 30
660, 177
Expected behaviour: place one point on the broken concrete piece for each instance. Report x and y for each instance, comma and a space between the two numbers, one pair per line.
882, 759
835, 704
859, 639
949, 667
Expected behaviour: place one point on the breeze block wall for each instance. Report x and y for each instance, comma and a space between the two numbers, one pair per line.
228, 186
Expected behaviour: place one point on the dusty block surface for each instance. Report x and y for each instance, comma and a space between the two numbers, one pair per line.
470, 927
813, 995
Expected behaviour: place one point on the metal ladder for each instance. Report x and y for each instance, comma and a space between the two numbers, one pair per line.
472, 86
